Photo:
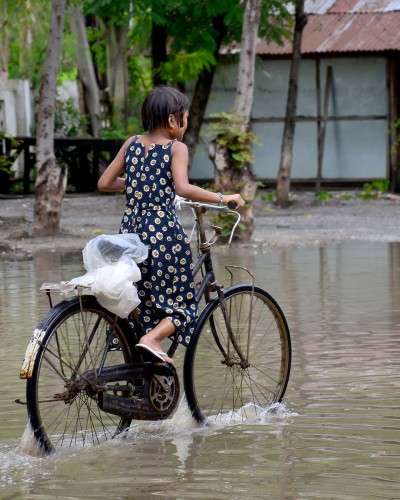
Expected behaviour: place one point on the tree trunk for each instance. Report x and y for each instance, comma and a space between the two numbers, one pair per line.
117, 77
227, 178
158, 51
25, 39
232, 180
283, 181
86, 69
202, 93
94, 21
51, 177
246, 69
4, 47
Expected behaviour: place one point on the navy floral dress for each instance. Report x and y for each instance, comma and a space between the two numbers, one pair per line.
166, 289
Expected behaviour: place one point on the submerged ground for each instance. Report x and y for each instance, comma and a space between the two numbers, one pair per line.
307, 221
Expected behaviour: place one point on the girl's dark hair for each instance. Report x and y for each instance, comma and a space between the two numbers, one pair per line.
159, 104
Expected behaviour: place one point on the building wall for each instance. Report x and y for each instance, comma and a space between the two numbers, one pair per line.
356, 140
16, 113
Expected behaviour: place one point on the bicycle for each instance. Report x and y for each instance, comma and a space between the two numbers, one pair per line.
86, 381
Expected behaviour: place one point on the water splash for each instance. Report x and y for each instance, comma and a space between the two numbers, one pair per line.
252, 414
29, 445
19, 464
181, 426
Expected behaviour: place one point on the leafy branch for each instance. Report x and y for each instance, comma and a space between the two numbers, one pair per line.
231, 132
7, 159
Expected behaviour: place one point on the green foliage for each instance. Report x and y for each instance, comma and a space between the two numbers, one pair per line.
347, 196
97, 44
269, 197
185, 67
6, 161
118, 12
139, 69
192, 28
28, 28
68, 75
323, 196
67, 121
276, 21
17, 187
108, 17
192, 33
225, 222
68, 69
113, 133
117, 130
231, 132
394, 129
375, 188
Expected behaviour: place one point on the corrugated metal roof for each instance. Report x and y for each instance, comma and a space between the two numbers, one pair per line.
345, 32
335, 6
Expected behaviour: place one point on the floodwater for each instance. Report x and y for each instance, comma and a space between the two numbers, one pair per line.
336, 436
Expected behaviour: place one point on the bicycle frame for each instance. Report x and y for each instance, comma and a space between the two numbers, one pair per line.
208, 283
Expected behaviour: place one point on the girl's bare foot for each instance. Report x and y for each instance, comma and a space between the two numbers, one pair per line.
153, 346
152, 339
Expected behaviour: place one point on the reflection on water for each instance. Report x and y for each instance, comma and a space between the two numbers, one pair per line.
336, 436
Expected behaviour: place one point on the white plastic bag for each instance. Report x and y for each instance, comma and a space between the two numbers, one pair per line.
109, 248
111, 264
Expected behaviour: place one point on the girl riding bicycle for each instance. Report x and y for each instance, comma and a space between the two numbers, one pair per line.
156, 168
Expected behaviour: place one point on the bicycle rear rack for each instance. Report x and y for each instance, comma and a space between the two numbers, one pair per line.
63, 288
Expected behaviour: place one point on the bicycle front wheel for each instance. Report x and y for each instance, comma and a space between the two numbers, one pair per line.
240, 374
79, 337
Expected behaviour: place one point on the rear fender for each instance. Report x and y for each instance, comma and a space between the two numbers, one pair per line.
31, 352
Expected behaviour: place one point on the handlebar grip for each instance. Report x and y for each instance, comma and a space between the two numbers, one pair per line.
232, 204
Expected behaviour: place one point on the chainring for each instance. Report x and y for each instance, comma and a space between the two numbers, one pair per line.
163, 391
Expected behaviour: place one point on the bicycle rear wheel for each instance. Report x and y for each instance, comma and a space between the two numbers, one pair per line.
80, 336
239, 379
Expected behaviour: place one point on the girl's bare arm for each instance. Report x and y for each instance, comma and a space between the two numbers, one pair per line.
183, 187
111, 181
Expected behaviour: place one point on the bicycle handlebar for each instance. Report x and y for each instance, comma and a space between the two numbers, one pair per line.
229, 209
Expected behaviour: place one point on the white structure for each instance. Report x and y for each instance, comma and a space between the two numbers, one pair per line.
16, 108
16, 113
